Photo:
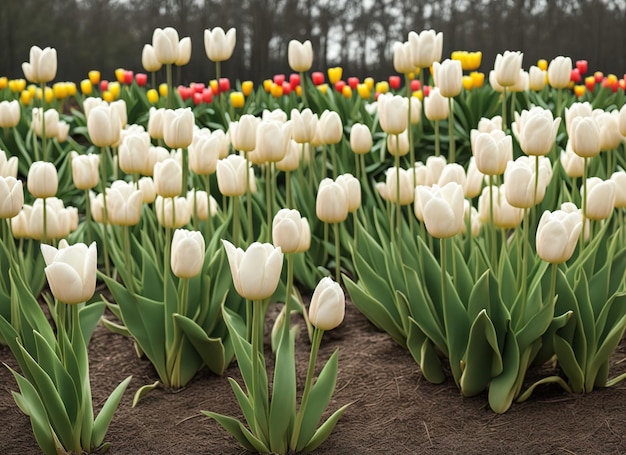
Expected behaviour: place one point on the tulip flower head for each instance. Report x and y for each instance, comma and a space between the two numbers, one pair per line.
492, 151
504, 214
442, 209
585, 137
219, 45
559, 72
507, 68
50, 117
360, 139
71, 271
173, 212
8, 167
522, 181
392, 113
352, 188
149, 60
168, 176
331, 205
256, 271
124, 203
600, 198
187, 253
426, 48
291, 231
11, 197
535, 130
85, 170
300, 56
448, 76
402, 57
304, 125
178, 127
42, 181
557, 235
42, 66
328, 305
104, 126
388, 189
436, 106
232, 172
10, 114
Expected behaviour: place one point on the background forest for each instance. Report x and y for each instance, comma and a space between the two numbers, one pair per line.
107, 34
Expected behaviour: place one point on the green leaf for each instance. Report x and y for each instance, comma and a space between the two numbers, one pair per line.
569, 364
89, 316
482, 358
325, 430
239, 432
319, 398
423, 352
211, 350
143, 390
283, 404
244, 402
101, 424
36, 410
604, 351
502, 387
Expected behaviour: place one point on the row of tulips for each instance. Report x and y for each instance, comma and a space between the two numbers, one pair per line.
453, 278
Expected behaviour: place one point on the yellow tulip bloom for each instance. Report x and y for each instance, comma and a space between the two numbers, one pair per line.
25, 97
153, 96
4, 82
163, 89
94, 77
237, 99
334, 74
86, 87
247, 87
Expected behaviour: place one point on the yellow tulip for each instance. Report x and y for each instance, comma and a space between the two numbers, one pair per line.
468, 83
277, 90
119, 75
85, 87
25, 98
478, 79
70, 87
60, 90
153, 96
323, 88
579, 90
382, 87
108, 96
334, 74
237, 99
418, 94
163, 89
214, 85
247, 87
369, 82
347, 92
542, 64
364, 91
94, 77
4, 82
267, 85
114, 88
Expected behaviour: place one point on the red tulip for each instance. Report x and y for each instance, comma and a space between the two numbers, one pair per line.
128, 77
198, 87
575, 75
279, 79
394, 82
622, 84
224, 84
207, 95
339, 85
415, 85
184, 92
141, 79
426, 90
317, 77
294, 80
353, 82
104, 85
197, 98
590, 83
582, 66
599, 76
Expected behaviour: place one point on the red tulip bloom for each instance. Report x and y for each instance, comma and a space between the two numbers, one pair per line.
198, 87
575, 75
279, 79
317, 77
197, 98
184, 92
582, 66
353, 82
339, 85
104, 85
224, 84
394, 82
128, 77
286, 88
415, 85
426, 90
590, 83
294, 80
141, 79
622, 84
599, 75
207, 95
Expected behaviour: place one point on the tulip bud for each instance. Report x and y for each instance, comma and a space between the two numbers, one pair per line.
168, 176
10, 114
291, 232
51, 118
436, 106
183, 52
360, 139
524, 188
42, 179
576, 110
148, 192
304, 125
57, 219
573, 164
352, 188
330, 128
124, 203
243, 133
178, 127
172, 213
8, 168
448, 76
492, 151
300, 56
608, 124
398, 144
619, 178
559, 72
402, 58
245, 266
328, 305
71, 271
155, 155
504, 214
11, 197
232, 172
557, 235
442, 209
201, 205
149, 60
389, 189
272, 140
219, 46
452, 172
585, 137
331, 204
474, 180
536, 130
392, 113
507, 68
85, 170
104, 126
426, 48
601, 199
536, 78
165, 44
187, 253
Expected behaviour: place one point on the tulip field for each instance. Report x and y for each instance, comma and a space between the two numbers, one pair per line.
172, 255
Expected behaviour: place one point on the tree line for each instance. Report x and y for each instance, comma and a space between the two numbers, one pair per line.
357, 35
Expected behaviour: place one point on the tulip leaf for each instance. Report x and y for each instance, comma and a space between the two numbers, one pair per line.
482, 358
30, 313
115, 328
319, 398
211, 350
604, 351
423, 352
143, 391
375, 311
283, 404
569, 364
239, 432
325, 430
546, 350
89, 317
102, 422
502, 389
31, 404
244, 402
612, 311
376, 285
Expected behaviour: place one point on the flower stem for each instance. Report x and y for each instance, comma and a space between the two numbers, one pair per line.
129, 260
337, 253
452, 146
185, 165
268, 200
248, 199
315, 345
105, 210
437, 146
235, 202
288, 294
584, 205
44, 144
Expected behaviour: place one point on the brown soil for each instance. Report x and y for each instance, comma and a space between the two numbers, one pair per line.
394, 410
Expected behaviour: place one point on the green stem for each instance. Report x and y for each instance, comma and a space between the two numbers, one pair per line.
44, 144
257, 351
305, 102
209, 221
287, 309
183, 188
504, 121
553, 270
105, 210
288, 189
584, 205
337, 253
333, 159
444, 287
494, 245
315, 345
129, 260
170, 89
452, 146
88, 217
248, 200
524, 268
235, 203
323, 170
268, 200
437, 146
44, 238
